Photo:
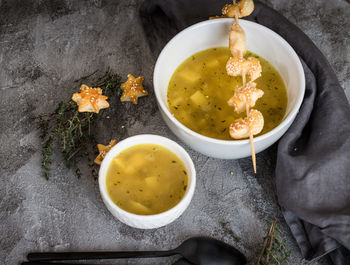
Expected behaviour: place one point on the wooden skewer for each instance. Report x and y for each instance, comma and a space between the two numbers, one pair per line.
236, 15
251, 143
236, 18
251, 139
244, 78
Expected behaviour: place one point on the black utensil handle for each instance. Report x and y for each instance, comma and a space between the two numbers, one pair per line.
48, 263
181, 261
47, 256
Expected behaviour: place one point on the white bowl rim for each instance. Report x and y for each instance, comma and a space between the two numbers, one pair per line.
141, 140
286, 120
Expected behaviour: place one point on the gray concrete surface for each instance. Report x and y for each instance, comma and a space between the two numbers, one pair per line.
44, 47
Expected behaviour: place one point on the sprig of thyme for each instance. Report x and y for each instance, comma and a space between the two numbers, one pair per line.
110, 85
274, 250
71, 129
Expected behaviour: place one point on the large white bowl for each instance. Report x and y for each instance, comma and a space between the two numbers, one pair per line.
214, 33
156, 220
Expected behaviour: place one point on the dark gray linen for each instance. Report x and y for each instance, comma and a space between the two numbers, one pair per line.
313, 159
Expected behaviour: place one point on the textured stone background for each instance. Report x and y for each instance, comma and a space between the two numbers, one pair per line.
45, 47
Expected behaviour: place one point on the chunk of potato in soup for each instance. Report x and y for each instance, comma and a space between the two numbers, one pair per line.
146, 179
200, 88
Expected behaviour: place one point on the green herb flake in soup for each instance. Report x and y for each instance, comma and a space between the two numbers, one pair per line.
146, 179
200, 88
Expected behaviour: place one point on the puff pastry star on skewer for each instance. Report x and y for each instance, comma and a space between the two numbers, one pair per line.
245, 95
237, 66
241, 9
237, 41
243, 127
237, 10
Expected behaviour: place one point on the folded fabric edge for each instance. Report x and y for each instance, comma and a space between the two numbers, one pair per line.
309, 248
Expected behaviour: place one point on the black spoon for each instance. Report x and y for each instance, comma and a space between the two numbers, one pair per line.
197, 250
181, 261
50, 263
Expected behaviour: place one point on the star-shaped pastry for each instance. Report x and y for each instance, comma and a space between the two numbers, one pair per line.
243, 8
90, 99
104, 149
133, 89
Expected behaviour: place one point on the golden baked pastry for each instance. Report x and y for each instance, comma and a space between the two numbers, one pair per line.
90, 99
241, 9
133, 89
237, 41
104, 149
244, 95
237, 66
243, 127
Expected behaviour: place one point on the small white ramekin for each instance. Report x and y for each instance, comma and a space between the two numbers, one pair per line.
156, 220
214, 33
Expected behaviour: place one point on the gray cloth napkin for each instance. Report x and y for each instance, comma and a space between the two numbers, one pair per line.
313, 159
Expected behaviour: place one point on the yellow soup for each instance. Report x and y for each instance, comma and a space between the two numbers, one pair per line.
200, 88
146, 179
